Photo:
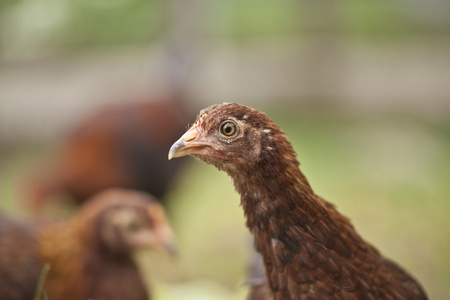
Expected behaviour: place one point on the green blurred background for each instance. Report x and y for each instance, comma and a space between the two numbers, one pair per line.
361, 88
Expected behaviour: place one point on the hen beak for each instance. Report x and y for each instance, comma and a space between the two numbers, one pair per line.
189, 143
167, 241
170, 246
162, 240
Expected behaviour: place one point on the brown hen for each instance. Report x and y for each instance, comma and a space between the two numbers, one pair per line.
122, 145
310, 250
90, 255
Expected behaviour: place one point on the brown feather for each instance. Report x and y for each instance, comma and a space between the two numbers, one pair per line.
19, 262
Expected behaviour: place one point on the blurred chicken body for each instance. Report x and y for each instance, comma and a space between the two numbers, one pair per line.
19, 262
119, 146
310, 250
90, 255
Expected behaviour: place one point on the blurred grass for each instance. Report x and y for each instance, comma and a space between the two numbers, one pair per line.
388, 172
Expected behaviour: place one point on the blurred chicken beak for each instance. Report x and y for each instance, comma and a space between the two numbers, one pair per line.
169, 246
172, 248
189, 143
167, 240
162, 240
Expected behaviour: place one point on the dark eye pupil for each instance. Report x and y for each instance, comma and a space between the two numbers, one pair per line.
228, 128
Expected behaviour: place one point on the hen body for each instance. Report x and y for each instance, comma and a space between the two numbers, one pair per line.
118, 146
310, 250
19, 261
89, 255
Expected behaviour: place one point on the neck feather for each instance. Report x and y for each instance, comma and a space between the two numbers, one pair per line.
288, 220
274, 187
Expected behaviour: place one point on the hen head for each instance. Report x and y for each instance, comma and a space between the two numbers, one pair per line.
232, 137
122, 221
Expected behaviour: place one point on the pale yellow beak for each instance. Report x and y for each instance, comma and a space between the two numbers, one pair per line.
169, 245
189, 143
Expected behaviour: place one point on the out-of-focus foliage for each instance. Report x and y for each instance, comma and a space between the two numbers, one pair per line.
54, 24
109, 22
64, 24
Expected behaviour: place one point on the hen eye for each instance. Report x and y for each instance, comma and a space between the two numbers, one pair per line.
228, 128
133, 225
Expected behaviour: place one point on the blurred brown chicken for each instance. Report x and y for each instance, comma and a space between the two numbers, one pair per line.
310, 250
19, 261
90, 255
122, 145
